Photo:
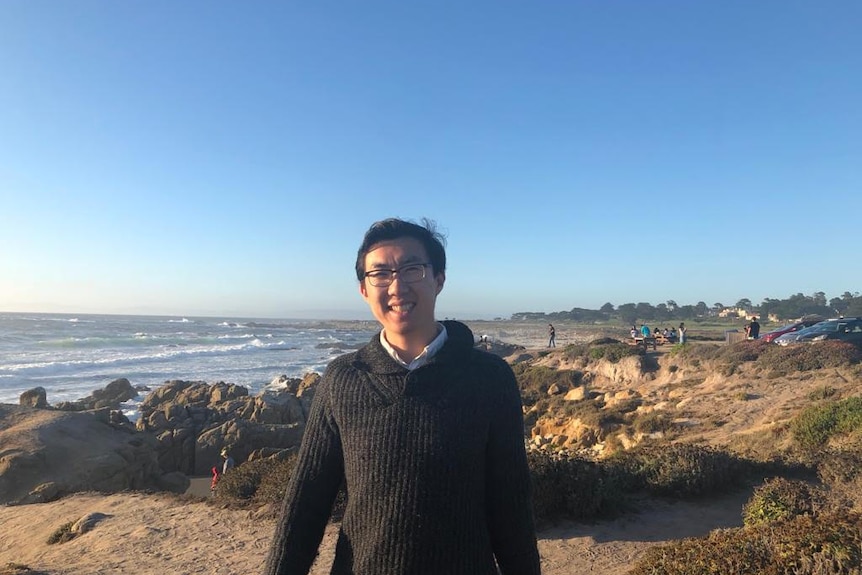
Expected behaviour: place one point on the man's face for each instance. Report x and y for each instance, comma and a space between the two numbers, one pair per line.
406, 310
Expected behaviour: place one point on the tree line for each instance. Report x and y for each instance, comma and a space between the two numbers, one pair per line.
793, 307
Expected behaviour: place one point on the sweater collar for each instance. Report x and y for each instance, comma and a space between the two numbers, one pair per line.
459, 342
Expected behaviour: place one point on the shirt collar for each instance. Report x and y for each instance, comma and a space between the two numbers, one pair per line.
429, 352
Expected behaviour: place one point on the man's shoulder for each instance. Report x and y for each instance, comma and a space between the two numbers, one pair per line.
481, 360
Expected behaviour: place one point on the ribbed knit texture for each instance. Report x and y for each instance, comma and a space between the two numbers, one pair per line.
434, 464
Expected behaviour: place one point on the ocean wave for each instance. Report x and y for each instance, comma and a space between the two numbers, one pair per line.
118, 359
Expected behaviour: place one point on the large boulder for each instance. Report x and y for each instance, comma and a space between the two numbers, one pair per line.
111, 396
192, 421
36, 397
243, 438
48, 453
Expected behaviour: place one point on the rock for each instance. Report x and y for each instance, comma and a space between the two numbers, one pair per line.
175, 482
72, 450
43, 493
86, 523
576, 394
36, 397
109, 397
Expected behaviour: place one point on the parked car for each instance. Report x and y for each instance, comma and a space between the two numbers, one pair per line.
844, 329
790, 327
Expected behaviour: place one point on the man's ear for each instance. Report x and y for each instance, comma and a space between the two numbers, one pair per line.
440, 279
362, 290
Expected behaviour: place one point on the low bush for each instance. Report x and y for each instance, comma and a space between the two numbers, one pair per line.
19, 569
816, 425
653, 422
675, 469
807, 357
62, 534
836, 467
821, 393
534, 381
804, 545
565, 487
780, 499
609, 349
258, 481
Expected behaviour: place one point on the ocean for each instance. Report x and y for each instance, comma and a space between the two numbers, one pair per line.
73, 355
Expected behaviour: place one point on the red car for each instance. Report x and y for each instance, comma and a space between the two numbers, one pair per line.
796, 326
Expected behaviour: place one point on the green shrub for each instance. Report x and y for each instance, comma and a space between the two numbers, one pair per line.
591, 413
260, 481
564, 487
653, 422
534, 381
274, 477
607, 348
779, 499
62, 534
822, 392
803, 545
836, 467
675, 469
817, 424
808, 357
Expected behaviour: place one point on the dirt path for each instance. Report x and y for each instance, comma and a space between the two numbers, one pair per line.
166, 535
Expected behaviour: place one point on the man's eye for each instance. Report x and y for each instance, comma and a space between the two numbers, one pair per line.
379, 274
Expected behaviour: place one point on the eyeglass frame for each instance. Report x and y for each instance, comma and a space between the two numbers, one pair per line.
397, 271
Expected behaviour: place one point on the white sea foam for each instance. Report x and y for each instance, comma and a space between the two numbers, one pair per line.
71, 359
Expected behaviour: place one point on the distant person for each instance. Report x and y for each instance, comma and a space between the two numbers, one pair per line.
228, 462
425, 431
214, 482
645, 331
552, 336
634, 332
752, 330
666, 332
656, 332
682, 330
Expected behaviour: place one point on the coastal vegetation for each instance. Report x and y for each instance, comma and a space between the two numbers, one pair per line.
794, 306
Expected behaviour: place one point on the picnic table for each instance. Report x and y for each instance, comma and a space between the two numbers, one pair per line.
645, 341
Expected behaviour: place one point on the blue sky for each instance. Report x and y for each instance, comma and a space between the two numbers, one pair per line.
225, 158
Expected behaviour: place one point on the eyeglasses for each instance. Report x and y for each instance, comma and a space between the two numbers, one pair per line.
411, 273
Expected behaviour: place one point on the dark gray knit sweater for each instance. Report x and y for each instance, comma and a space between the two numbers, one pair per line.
433, 461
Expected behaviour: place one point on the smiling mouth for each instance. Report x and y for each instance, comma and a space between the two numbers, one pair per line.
402, 308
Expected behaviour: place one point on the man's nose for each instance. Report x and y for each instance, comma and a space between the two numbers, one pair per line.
398, 285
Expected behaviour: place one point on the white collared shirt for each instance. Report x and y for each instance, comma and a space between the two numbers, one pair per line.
430, 350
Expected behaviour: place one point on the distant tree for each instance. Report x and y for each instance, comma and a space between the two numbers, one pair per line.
671, 305
645, 310
661, 312
607, 308
701, 309
819, 298
744, 303
717, 306
839, 305
687, 312
628, 313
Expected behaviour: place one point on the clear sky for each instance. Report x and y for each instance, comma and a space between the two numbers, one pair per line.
225, 158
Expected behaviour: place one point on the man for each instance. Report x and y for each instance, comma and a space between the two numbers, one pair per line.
752, 330
424, 430
228, 462
552, 336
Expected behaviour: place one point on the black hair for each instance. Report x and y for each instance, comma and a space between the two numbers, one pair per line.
394, 228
